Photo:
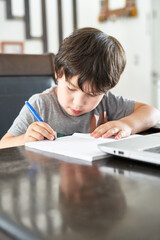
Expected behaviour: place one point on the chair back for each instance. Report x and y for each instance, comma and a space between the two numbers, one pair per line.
21, 76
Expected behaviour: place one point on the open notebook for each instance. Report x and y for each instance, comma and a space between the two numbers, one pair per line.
79, 145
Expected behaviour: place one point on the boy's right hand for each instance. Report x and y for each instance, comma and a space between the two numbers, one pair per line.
39, 131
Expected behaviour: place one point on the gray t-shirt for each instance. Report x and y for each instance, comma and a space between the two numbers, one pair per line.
47, 106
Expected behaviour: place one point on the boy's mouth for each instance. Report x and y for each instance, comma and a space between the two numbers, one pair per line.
75, 111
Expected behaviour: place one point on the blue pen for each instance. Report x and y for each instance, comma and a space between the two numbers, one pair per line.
35, 114
31, 109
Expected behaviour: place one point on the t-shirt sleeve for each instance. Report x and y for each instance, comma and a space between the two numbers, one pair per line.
118, 107
25, 118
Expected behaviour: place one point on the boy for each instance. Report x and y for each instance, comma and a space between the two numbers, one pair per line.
89, 63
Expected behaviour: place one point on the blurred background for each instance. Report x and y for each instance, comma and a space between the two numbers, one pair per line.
38, 26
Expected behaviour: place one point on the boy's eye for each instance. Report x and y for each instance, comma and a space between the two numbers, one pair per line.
70, 89
93, 95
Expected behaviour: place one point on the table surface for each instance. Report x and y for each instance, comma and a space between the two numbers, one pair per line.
45, 198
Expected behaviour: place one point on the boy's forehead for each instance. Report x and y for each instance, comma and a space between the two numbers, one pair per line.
74, 81
86, 85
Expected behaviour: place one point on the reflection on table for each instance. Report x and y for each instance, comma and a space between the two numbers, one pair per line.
113, 199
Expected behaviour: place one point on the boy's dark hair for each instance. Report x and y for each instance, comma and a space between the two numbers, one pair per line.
96, 58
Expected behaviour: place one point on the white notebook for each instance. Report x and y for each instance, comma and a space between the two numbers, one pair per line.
79, 145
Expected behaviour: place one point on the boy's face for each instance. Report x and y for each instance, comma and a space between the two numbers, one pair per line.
73, 100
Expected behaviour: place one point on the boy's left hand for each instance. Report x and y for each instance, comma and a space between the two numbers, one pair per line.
118, 128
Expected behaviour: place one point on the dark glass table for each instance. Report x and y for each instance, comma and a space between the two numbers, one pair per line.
45, 198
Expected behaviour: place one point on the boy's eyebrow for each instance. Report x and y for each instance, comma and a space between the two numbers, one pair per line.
94, 94
73, 85
89, 93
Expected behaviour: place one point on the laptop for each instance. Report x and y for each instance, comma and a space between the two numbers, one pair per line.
142, 148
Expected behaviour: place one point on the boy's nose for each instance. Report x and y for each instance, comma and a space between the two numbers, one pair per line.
79, 100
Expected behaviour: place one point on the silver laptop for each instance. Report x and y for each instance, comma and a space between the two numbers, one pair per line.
143, 148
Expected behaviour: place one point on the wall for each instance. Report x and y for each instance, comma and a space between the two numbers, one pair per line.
156, 53
133, 33
135, 36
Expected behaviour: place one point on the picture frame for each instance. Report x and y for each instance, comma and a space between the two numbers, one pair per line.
12, 47
128, 9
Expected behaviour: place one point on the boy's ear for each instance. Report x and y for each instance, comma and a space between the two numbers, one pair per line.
55, 76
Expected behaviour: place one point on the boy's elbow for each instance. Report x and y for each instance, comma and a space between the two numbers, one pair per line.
154, 113
157, 113
149, 112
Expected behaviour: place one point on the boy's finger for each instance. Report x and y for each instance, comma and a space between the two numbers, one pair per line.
31, 139
98, 132
110, 132
47, 135
37, 136
104, 132
43, 130
46, 126
121, 134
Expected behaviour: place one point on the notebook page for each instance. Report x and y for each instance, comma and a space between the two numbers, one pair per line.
81, 146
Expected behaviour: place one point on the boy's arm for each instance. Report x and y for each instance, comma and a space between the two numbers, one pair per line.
36, 131
142, 118
9, 140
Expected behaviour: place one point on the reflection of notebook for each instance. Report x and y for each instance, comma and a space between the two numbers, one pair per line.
143, 147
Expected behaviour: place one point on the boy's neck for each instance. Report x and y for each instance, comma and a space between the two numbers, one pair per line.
55, 91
